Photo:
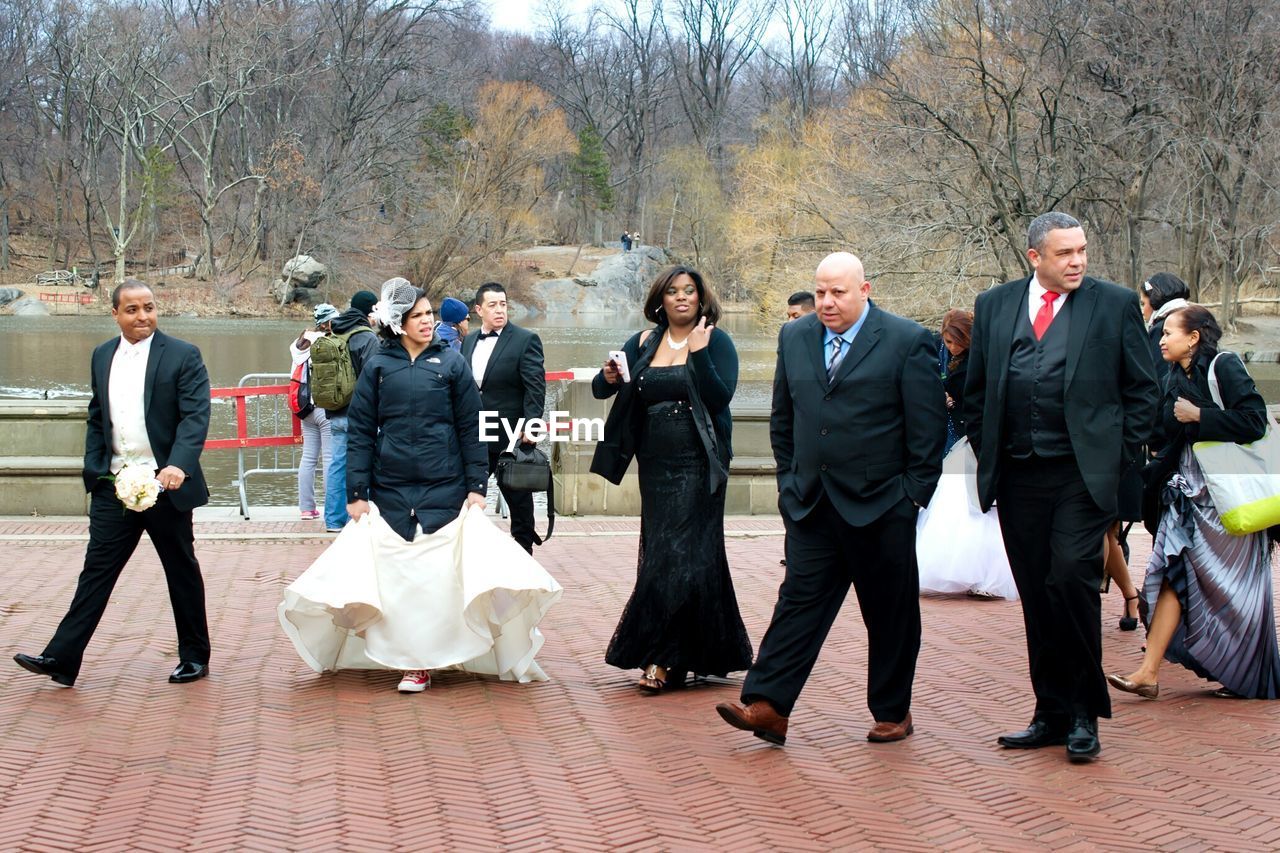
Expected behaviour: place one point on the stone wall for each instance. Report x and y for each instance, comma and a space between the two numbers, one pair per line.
41, 457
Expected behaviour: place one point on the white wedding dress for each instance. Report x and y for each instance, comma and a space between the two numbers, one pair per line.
958, 547
466, 597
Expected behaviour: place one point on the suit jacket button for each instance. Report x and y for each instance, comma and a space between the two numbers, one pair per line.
827, 397
824, 430
824, 466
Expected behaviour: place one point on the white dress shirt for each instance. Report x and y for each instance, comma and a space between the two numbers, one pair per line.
1035, 298
129, 440
481, 354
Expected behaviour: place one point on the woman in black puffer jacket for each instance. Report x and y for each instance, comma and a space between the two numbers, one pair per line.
414, 446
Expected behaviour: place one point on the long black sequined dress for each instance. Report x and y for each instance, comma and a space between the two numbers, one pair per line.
683, 614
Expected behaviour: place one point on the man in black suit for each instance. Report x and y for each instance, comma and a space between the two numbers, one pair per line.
1060, 396
506, 361
150, 406
858, 429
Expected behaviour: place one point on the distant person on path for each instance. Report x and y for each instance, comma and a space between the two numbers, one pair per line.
149, 408
673, 418
1059, 401
956, 333
1207, 599
799, 304
506, 361
362, 344
315, 426
857, 429
626, 241
453, 325
1162, 294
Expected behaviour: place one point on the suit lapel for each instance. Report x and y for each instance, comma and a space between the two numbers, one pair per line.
469, 346
498, 349
103, 369
866, 339
153, 364
1005, 319
1082, 302
815, 344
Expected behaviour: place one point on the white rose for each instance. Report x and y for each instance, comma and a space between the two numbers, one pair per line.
137, 487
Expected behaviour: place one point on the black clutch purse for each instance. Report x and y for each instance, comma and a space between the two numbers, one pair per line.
527, 469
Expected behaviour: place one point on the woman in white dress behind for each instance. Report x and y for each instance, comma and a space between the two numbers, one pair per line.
958, 547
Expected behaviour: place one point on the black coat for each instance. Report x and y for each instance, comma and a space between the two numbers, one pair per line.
712, 375
414, 444
954, 386
870, 438
515, 380
176, 398
1110, 396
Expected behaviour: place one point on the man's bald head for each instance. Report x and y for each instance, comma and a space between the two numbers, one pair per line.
842, 264
841, 291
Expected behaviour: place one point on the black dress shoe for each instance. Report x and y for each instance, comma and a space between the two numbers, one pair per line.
41, 665
189, 671
1082, 740
1039, 733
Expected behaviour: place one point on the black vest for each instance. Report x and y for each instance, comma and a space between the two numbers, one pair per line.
1034, 412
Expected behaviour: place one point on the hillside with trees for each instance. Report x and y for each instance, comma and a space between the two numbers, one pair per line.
748, 137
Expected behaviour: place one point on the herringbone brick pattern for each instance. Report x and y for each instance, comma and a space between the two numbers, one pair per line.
266, 755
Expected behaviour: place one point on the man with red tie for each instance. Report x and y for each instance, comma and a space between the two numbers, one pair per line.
1059, 399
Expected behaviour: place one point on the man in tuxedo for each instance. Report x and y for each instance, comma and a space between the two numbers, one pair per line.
858, 428
1060, 396
150, 406
506, 361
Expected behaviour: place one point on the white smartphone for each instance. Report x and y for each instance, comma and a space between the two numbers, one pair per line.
619, 358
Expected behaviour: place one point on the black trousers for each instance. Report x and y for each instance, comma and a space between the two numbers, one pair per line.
825, 555
520, 504
1053, 534
114, 533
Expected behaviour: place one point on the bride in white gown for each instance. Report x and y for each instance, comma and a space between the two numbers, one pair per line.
411, 584
958, 547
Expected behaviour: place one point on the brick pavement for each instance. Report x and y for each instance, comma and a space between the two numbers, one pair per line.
267, 755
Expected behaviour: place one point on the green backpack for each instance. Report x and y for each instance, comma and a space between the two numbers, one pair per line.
333, 376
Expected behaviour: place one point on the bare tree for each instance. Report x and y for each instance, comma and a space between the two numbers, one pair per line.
710, 42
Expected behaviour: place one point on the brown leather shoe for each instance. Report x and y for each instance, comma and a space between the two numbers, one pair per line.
883, 732
759, 718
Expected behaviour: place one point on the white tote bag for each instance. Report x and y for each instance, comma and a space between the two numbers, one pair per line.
1243, 479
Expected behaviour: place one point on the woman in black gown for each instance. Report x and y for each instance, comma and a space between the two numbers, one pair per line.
673, 416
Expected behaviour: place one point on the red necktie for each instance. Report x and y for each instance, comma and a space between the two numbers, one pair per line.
1045, 315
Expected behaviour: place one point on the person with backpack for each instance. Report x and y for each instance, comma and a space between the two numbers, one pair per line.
315, 426
336, 361
454, 320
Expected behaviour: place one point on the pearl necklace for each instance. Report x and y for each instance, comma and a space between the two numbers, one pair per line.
673, 345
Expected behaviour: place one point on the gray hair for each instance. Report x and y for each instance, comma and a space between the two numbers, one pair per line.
1046, 222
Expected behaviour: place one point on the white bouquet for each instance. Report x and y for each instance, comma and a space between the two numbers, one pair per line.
137, 487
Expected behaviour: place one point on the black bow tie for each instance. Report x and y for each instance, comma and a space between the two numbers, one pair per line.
484, 335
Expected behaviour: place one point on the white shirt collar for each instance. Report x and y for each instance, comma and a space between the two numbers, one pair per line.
142, 349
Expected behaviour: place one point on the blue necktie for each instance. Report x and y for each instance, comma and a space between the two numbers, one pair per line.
836, 349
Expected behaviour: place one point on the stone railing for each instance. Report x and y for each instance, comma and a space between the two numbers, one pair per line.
41, 456
753, 487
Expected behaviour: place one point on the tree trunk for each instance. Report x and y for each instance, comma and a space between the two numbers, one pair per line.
4, 235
